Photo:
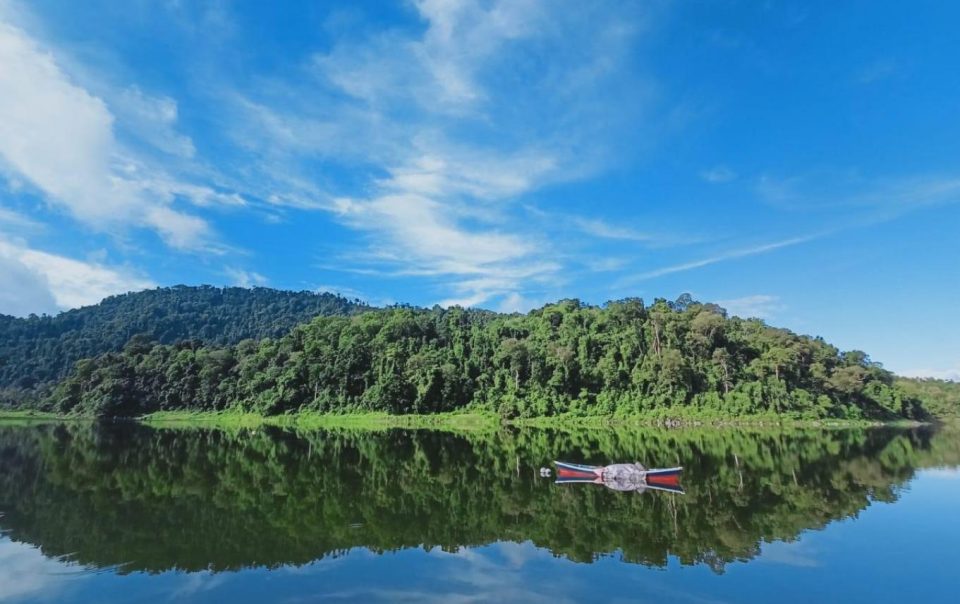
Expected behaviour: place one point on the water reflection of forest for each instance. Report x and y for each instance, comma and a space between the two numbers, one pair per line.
194, 499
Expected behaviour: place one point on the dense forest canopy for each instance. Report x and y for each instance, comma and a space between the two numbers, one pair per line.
624, 358
940, 397
273, 352
35, 351
134, 498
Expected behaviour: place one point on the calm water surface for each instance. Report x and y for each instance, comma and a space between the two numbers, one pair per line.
126, 513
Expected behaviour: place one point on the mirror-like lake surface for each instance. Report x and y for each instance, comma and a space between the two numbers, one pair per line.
127, 513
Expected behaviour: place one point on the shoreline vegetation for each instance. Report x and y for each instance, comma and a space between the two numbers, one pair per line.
457, 421
489, 421
30, 414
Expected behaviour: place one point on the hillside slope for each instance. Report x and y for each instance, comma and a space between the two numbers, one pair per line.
940, 397
39, 350
626, 358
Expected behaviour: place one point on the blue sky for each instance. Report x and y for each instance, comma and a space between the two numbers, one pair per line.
796, 161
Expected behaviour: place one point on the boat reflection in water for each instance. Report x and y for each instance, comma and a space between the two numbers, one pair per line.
621, 476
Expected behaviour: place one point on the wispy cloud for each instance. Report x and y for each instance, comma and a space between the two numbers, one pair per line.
853, 202
62, 139
153, 120
721, 257
856, 203
604, 230
454, 124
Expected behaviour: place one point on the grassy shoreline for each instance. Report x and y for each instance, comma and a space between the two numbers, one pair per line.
13, 414
366, 421
485, 421
29, 417
473, 421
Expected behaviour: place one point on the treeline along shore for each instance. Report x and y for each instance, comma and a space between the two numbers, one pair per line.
269, 352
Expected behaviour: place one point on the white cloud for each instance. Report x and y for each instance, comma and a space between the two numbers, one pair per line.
476, 174
418, 227
441, 68
453, 122
466, 302
37, 281
23, 290
167, 190
243, 278
54, 133
60, 138
514, 302
500, 282
177, 229
417, 234
761, 306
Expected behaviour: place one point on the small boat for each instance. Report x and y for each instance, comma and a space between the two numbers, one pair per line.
621, 476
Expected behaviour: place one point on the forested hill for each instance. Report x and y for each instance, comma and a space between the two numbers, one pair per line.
668, 359
940, 397
37, 350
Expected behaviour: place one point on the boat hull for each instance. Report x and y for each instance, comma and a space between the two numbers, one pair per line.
664, 479
573, 470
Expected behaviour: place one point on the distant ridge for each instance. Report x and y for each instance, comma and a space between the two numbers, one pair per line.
39, 350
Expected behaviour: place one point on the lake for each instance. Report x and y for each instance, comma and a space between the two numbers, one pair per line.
129, 513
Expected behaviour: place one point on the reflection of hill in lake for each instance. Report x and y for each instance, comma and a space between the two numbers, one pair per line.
155, 500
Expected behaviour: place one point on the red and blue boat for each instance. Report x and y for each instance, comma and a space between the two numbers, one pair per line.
621, 477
